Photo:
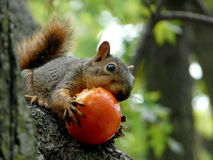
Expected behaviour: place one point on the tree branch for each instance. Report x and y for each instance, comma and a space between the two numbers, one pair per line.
203, 7
183, 15
54, 142
147, 32
157, 16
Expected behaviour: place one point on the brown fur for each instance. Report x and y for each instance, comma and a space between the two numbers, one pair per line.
51, 42
53, 80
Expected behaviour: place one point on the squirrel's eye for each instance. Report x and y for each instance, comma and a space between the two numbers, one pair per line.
111, 67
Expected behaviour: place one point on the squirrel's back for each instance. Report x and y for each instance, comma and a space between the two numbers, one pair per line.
52, 41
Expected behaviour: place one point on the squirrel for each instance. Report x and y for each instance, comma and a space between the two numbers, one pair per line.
53, 79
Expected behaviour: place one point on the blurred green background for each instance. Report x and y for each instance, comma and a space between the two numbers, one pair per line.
119, 22
122, 23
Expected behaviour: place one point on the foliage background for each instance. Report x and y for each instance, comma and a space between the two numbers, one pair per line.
121, 23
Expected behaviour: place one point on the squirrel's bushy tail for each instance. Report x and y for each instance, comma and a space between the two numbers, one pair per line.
50, 42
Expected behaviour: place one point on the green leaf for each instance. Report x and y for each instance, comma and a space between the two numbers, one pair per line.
159, 134
164, 32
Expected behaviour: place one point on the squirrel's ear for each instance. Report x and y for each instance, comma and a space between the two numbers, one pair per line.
131, 67
103, 51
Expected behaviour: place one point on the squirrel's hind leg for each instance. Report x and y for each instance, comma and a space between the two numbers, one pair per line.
31, 99
27, 75
42, 102
36, 100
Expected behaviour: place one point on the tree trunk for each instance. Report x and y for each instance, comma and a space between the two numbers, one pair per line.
15, 140
203, 51
8, 78
55, 143
166, 70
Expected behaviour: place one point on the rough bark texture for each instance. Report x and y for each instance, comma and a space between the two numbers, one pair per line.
24, 22
8, 105
55, 143
15, 140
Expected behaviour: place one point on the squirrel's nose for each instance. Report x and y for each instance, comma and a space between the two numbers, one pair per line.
121, 96
124, 93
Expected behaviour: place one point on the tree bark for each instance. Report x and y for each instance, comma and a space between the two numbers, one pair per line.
204, 55
203, 50
15, 22
166, 69
55, 143
8, 80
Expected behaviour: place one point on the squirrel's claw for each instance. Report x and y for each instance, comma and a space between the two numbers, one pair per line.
28, 98
31, 99
123, 118
120, 133
81, 104
36, 100
69, 116
69, 112
123, 127
76, 109
74, 102
72, 116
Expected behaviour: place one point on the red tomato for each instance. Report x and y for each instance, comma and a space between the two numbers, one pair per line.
103, 117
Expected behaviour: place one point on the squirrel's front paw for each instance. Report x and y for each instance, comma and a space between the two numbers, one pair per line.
120, 133
70, 110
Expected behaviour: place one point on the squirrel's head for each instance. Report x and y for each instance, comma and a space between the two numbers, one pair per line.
107, 71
